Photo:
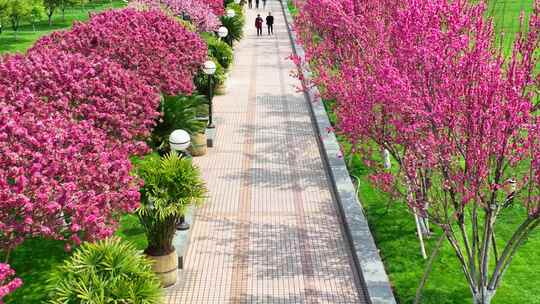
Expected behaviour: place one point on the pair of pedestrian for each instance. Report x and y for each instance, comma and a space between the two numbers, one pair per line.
250, 3
269, 24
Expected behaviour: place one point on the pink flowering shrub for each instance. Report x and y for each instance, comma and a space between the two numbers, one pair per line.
198, 12
95, 90
421, 80
154, 45
59, 178
216, 6
8, 284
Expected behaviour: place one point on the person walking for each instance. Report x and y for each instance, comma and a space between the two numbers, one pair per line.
264, 4
257, 4
250, 3
270, 23
258, 24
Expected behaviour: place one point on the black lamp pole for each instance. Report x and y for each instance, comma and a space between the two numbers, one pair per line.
210, 97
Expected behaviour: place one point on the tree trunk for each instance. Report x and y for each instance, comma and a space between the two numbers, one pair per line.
420, 234
49, 15
484, 297
15, 27
427, 270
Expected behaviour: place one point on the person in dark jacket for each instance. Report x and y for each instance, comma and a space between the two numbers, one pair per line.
258, 24
270, 23
264, 4
250, 3
257, 4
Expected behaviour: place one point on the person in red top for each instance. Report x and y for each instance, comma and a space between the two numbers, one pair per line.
259, 24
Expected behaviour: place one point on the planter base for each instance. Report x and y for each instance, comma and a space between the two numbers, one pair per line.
165, 267
210, 137
199, 144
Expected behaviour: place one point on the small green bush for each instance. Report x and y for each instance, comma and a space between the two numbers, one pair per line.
219, 50
109, 271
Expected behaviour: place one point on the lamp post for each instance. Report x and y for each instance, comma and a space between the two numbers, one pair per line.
179, 141
209, 68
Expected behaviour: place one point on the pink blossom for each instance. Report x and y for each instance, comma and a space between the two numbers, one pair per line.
198, 12
93, 89
150, 43
8, 284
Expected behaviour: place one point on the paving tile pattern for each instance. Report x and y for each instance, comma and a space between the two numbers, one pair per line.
270, 230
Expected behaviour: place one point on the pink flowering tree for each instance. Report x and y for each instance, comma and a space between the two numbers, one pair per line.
197, 12
68, 125
96, 90
150, 43
7, 283
421, 78
59, 178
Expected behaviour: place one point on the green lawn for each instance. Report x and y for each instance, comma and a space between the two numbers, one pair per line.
506, 15
394, 232
27, 36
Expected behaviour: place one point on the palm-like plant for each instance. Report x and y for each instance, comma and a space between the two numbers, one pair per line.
179, 112
171, 184
219, 50
109, 271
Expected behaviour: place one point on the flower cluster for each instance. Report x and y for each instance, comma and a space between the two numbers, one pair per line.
402, 74
152, 44
197, 12
7, 283
93, 89
216, 6
59, 178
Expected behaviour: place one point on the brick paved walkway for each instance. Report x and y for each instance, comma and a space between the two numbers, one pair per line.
269, 232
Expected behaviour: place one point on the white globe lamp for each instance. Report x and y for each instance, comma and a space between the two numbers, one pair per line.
209, 67
223, 32
230, 13
179, 140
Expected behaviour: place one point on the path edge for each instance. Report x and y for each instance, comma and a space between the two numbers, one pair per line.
365, 253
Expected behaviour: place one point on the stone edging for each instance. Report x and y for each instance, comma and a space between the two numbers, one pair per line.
365, 252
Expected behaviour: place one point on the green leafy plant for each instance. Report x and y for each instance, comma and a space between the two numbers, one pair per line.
108, 271
179, 112
219, 50
171, 184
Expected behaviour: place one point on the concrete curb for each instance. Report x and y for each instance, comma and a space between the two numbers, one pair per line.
365, 252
